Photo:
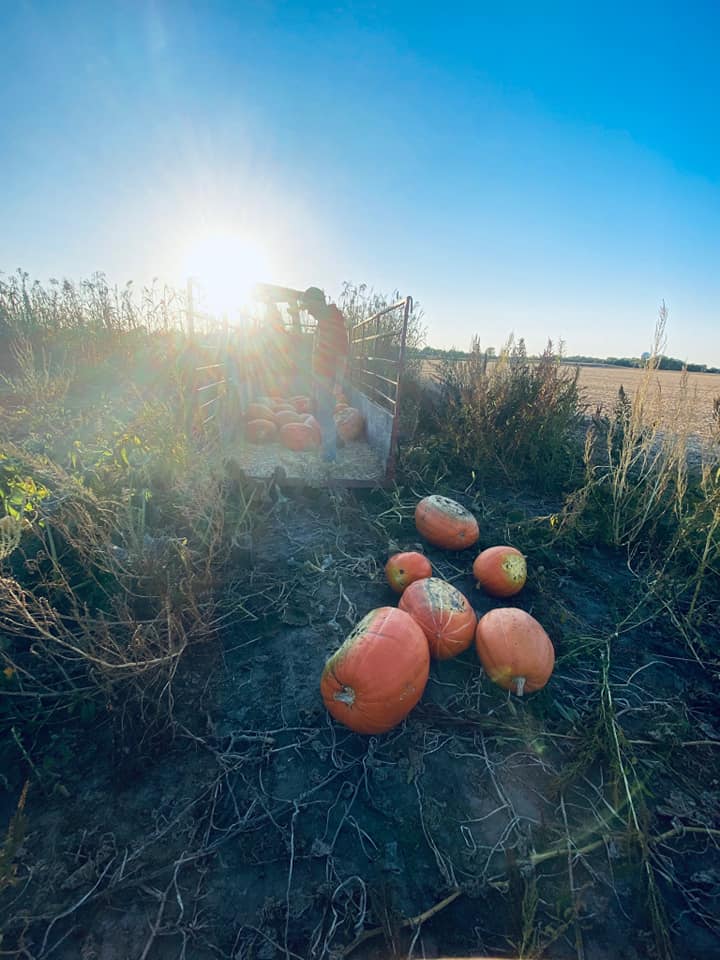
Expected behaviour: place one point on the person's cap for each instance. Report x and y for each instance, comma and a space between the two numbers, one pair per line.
313, 296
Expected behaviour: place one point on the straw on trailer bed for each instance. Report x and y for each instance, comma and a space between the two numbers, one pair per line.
356, 462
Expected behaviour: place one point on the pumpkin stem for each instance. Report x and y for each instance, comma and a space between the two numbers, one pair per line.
519, 685
346, 695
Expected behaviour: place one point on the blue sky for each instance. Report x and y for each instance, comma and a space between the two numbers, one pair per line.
551, 170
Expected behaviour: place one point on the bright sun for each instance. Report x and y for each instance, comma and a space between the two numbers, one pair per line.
226, 266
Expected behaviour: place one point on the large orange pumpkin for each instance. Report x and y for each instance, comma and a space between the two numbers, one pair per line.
299, 436
403, 569
379, 673
261, 431
257, 411
500, 571
514, 650
445, 615
288, 416
446, 523
350, 423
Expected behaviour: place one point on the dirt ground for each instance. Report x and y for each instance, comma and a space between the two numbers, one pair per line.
256, 827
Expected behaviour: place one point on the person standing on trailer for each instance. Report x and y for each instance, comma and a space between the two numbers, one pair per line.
329, 364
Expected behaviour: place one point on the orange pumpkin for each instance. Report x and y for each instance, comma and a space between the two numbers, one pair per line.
445, 615
257, 411
350, 423
288, 416
403, 569
298, 436
279, 405
302, 404
446, 523
514, 650
379, 673
500, 571
261, 431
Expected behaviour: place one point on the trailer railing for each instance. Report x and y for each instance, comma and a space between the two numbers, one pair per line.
377, 353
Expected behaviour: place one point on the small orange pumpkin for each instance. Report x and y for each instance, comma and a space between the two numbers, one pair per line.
446, 523
500, 571
403, 569
298, 436
379, 673
257, 411
350, 423
445, 615
288, 416
261, 431
514, 650
302, 404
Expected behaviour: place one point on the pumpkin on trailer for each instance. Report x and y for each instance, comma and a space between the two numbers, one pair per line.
500, 571
257, 411
302, 404
515, 651
446, 523
299, 436
379, 673
445, 615
261, 431
288, 416
350, 423
403, 569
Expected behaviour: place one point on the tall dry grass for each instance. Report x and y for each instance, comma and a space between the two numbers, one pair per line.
645, 492
29, 308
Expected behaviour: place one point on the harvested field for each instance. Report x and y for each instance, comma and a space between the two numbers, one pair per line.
601, 384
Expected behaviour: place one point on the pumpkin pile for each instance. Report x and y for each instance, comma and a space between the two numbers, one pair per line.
379, 673
291, 422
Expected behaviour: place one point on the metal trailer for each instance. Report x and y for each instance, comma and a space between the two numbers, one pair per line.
376, 363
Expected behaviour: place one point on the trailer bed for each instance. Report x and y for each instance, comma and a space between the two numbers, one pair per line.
357, 464
377, 350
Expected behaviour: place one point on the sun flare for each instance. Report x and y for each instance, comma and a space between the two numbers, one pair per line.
226, 265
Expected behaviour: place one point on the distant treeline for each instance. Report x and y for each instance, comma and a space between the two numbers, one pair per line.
665, 363
434, 353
